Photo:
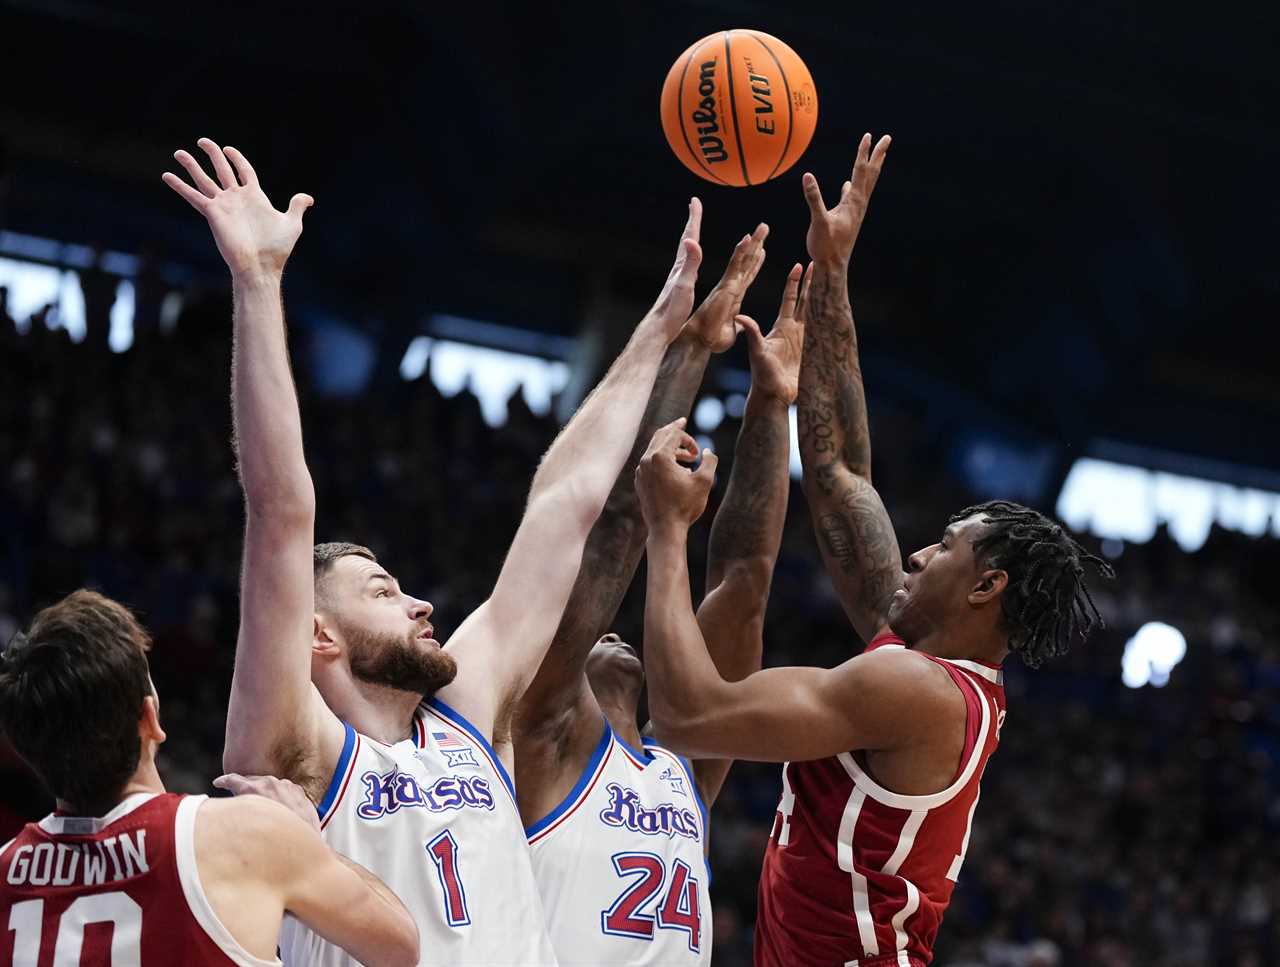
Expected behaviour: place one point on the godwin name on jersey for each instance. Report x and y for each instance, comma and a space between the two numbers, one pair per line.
120, 889
621, 864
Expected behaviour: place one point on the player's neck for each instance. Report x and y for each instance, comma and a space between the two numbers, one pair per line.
145, 780
956, 643
378, 711
621, 715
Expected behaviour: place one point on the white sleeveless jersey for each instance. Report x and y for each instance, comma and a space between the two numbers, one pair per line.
621, 863
435, 817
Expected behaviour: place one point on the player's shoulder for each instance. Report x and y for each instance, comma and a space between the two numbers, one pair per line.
900, 680
253, 827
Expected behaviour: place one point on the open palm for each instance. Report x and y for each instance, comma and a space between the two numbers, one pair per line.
713, 321
832, 232
775, 358
251, 235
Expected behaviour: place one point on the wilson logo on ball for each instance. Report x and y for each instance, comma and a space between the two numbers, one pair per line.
739, 108
704, 116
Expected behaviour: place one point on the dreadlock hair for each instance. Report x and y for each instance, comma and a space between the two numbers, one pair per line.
1046, 603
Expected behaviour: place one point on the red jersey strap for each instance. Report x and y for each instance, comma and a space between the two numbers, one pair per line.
972, 709
885, 637
973, 701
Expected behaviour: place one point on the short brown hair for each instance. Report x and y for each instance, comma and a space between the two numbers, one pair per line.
324, 556
71, 692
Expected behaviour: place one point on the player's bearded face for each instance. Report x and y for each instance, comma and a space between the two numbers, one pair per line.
398, 661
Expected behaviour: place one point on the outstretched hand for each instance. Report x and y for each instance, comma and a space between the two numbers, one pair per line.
833, 232
669, 491
775, 358
713, 322
251, 235
675, 301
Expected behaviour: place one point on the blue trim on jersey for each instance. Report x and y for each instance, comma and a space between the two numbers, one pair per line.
645, 756
565, 804
457, 719
335, 784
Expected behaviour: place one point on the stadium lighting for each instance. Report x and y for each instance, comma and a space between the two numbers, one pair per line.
1152, 654
1128, 503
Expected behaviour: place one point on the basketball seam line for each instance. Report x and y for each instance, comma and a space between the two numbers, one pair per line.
680, 120
786, 145
733, 107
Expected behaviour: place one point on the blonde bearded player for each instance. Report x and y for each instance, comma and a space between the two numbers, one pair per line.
338, 684
618, 824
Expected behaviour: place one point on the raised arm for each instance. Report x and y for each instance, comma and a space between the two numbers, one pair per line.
854, 533
879, 700
747, 530
559, 699
500, 646
276, 721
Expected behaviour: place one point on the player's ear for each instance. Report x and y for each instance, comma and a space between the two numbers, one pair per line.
990, 586
149, 728
323, 644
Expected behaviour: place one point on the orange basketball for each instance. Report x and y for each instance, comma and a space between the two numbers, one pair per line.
739, 107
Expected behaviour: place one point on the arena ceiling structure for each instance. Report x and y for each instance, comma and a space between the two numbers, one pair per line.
1075, 235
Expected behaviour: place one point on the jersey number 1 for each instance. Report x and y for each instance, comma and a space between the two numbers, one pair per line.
443, 851
679, 907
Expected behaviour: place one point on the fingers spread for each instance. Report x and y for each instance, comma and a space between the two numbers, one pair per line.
202, 180
245, 170
221, 168
882, 149
193, 197
802, 304
813, 196
864, 153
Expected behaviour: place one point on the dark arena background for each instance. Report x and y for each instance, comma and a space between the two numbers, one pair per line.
1067, 290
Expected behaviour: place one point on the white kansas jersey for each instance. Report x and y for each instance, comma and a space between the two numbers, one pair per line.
621, 863
435, 817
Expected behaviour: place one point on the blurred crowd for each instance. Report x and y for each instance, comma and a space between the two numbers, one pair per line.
1117, 828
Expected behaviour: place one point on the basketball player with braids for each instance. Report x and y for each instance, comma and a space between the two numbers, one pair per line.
884, 753
618, 824
339, 684
125, 873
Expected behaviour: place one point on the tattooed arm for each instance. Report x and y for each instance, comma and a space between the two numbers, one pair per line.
747, 531
558, 721
853, 529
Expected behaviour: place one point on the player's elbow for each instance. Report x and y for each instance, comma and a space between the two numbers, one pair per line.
280, 498
400, 947
745, 582
676, 724
573, 505
246, 757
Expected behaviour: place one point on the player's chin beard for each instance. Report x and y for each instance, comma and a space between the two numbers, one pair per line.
397, 662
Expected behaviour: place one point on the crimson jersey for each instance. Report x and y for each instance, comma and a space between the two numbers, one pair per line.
121, 890
859, 876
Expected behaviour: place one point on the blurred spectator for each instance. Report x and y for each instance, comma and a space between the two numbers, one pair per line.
99, 289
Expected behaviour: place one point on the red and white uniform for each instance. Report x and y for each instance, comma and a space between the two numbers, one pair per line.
121, 890
858, 876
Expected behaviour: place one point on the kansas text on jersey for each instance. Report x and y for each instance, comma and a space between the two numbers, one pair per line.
620, 863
